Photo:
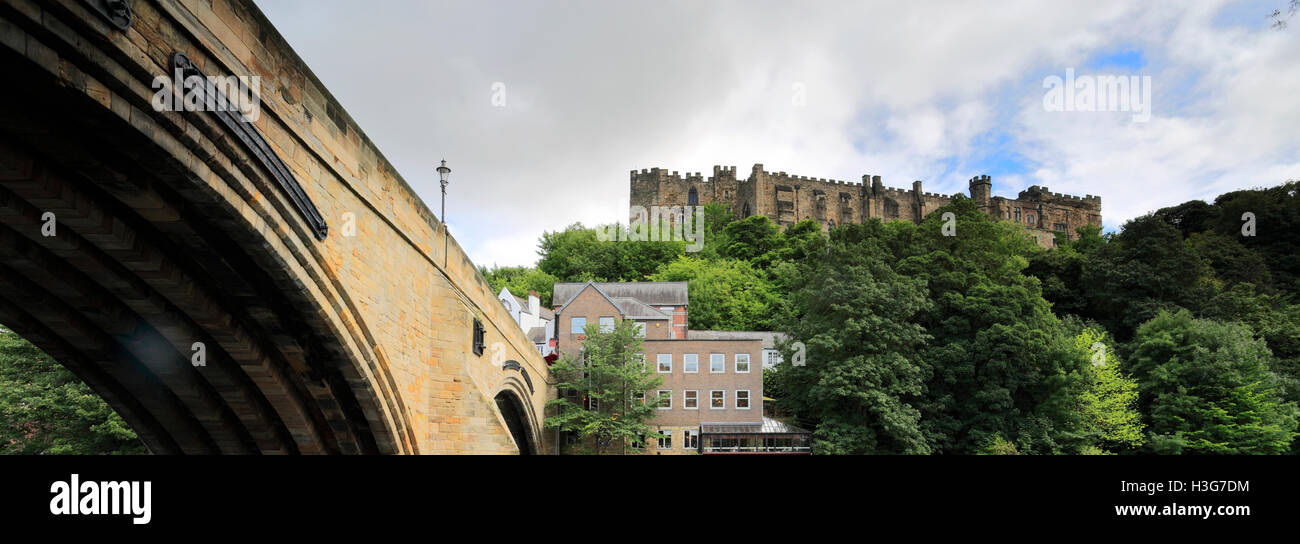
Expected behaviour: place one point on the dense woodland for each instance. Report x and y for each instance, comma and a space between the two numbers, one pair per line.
1179, 334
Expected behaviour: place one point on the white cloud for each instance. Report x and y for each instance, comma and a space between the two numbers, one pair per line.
901, 90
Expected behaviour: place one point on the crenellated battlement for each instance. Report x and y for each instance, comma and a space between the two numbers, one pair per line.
787, 198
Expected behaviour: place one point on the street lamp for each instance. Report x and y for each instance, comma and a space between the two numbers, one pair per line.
443, 172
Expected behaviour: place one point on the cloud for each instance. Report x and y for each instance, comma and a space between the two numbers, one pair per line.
596, 89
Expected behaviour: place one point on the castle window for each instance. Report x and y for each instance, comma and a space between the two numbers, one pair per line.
726, 194
692, 198
1017, 215
1030, 218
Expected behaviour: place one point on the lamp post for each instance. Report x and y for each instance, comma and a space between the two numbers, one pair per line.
443, 173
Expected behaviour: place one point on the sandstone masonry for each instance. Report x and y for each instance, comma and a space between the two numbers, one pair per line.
787, 198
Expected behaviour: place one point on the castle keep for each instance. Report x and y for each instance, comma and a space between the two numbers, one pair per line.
786, 199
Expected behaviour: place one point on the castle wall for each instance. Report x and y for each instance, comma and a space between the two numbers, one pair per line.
788, 198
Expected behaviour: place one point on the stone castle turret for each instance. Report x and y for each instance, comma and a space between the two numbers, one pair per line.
787, 198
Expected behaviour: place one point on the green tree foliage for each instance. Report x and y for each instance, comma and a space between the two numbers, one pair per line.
520, 280
862, 375
1108, 406
47, 410
1277, 222
1230, 261
1206, 387
726, 294
613, 378
1145, 268
576, 254
755, 238
1060, 271
1000, 362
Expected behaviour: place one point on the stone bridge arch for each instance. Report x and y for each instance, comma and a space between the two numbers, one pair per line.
333, 311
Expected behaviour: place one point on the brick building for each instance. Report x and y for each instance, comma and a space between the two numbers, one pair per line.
712, 383
787, 198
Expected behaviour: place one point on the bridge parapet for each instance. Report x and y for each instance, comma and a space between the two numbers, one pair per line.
378, 317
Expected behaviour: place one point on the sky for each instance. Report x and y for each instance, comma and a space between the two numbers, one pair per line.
543, 107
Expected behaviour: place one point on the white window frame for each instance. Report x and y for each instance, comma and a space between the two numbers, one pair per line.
659, 363
691, 439
577, 330
748, 363
723, 360
639, 396
669, 438
601, 322
665, 397
686, 399
640, 329
724, 399
747, 399
687, 369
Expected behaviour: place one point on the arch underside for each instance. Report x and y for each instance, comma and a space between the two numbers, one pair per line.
145, 261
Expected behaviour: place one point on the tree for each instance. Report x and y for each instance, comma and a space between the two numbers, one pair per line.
1146, 268
576, 254
1000, 363
862, 375
1108, 406
47, 410
1205, 387
608, 390
1276, 213
520, 280
755, 238
726, 294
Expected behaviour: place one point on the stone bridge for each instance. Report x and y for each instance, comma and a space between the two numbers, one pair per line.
271, 286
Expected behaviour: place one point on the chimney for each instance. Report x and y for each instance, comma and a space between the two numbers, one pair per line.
534, 303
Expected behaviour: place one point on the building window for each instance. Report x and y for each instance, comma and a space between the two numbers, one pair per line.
691, 439
665, 399
640, 329
593, 404
691, 363
717, 399
742, 363
771, 358
606, 324
577, 324
717, 363
665, 439
1017, 212
668, 309
639, 396
479, 341
742, 399
691, 399
665, 363
692, 198
1060, 226
1030, 218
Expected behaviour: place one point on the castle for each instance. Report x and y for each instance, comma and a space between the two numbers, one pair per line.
786, 199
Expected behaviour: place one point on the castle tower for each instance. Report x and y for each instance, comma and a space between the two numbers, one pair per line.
981, 189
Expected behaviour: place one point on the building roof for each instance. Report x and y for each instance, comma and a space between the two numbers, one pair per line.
653, 293
635, 309
769, 338
545, 313
537, 335
769, 426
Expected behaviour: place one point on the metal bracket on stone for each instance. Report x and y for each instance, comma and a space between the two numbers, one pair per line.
252, 140
514, 365
116, 12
